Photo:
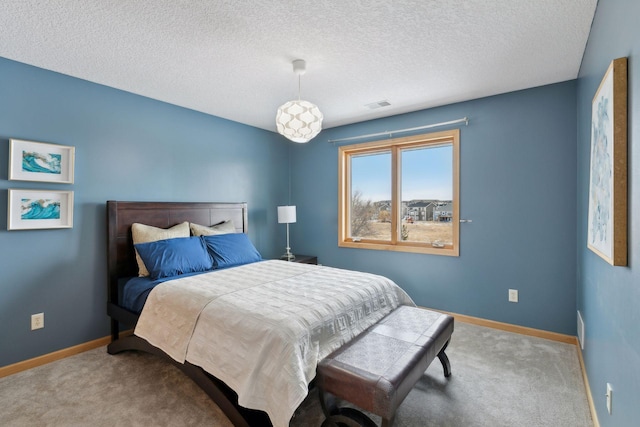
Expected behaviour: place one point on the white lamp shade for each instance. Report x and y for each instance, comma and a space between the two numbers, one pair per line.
286, 214
299, 121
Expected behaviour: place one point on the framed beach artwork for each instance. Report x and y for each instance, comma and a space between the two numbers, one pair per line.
40, 161
607, 217
38, 209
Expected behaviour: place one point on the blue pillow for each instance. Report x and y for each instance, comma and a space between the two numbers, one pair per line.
172, 257
228, 250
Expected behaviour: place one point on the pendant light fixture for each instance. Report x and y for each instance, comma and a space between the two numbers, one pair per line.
299, 121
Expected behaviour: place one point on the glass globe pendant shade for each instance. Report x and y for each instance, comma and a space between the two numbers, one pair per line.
299, 121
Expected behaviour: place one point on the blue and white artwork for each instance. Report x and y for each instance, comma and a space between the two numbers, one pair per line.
33, 161
41, 161
39, 209
600, 221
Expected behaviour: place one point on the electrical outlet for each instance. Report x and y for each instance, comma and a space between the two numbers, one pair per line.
37, 321
609, 397
513, 295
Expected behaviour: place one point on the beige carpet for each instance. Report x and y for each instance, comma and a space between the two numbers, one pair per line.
498, 379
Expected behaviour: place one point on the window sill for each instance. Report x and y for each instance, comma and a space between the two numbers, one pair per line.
402, 247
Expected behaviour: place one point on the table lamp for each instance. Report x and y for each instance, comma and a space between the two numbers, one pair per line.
287, 215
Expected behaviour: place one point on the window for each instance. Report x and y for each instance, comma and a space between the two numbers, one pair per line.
401, 194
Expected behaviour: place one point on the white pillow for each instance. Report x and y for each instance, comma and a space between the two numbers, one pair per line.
146, 233
225, 227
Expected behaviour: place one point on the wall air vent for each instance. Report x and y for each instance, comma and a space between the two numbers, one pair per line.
378, 104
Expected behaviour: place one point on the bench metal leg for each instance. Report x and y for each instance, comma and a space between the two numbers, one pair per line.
446, 365
343, 416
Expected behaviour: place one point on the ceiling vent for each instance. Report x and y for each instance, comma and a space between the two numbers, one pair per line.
378, 104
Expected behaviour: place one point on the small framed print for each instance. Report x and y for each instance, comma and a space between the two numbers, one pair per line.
40, 161
38, 209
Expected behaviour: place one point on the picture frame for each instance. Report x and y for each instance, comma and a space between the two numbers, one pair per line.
39, 209
607, 212
41, 161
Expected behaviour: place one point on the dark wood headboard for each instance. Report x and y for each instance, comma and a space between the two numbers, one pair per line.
121, 260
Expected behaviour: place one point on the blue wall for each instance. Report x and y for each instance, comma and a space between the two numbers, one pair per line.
609, 297
127, 148
518, 165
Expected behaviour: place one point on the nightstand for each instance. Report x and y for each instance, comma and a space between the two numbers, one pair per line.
306, 259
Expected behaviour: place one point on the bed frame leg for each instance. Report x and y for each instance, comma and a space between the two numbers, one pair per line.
115, 330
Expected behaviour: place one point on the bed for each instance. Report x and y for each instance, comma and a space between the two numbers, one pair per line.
249, 335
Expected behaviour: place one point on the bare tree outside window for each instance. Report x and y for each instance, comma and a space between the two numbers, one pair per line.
362, 211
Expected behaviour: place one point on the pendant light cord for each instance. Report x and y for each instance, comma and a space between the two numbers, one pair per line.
289, 203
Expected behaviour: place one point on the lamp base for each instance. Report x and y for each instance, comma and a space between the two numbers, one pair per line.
288, 256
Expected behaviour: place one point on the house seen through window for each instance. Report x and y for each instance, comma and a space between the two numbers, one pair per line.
401, 194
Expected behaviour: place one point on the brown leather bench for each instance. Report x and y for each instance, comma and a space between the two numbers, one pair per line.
377, 369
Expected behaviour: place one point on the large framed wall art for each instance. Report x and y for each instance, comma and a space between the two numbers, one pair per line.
607, 217
37, 209
41, 161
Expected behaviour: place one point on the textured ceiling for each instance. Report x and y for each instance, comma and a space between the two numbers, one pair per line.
232, 58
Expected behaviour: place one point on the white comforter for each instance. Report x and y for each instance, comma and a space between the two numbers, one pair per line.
263, 327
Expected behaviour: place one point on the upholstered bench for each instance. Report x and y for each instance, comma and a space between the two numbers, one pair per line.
377, 369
